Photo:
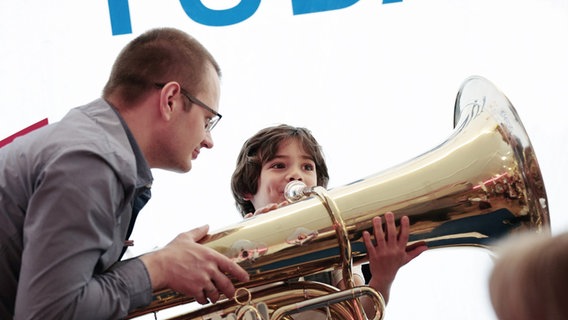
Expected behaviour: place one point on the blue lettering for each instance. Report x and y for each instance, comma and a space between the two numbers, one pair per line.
119, 17
311, 6
209, 17
119, 11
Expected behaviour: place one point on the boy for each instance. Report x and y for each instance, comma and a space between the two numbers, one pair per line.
276, 155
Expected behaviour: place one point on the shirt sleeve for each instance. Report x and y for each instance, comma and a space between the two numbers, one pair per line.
356, 271
71, 230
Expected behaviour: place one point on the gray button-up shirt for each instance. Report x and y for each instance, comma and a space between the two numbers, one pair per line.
66, 197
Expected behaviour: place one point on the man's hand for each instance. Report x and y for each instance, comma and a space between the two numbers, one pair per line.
193, 269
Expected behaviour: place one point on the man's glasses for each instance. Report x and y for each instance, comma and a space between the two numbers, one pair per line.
213, 121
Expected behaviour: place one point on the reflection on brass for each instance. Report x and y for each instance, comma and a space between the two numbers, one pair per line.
481, 184
302, 236
242, 250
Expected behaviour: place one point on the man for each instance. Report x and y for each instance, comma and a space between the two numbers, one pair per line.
70, 192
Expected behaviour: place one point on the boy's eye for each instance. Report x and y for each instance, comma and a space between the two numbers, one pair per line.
277, 165
309, 167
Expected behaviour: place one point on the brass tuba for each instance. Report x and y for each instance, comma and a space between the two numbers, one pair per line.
481, 184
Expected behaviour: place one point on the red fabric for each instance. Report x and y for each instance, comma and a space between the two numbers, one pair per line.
31, 128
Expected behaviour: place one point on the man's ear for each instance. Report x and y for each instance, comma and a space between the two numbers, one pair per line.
167, 100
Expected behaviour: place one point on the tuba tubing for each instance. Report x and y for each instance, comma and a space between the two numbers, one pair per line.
481, 184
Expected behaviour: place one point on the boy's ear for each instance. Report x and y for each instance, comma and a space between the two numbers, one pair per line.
247, 196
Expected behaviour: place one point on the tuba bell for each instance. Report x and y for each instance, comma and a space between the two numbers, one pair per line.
480, 185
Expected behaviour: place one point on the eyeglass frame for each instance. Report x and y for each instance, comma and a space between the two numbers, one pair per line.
216, 115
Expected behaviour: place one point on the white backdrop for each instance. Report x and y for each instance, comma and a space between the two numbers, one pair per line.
375, 83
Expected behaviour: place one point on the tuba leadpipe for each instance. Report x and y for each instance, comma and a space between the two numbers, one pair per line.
481, 184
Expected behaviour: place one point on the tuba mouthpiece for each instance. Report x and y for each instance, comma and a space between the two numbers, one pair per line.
296, 190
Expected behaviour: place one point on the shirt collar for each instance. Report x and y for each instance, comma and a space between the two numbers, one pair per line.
144, 174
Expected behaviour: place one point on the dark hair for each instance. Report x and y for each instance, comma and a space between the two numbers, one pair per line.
261, 148
158, 56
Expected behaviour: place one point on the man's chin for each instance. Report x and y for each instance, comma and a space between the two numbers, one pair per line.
176, 167
185, 168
